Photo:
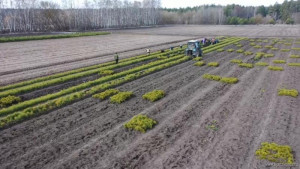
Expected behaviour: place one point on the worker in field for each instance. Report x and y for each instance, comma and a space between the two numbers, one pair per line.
213, 41
148, 51
180, 46
116, 58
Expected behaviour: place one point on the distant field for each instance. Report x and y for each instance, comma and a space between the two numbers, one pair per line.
223, 30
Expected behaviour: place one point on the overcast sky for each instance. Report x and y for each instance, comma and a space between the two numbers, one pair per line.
191, 3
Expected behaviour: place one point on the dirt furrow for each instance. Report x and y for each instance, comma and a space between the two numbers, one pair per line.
174, 76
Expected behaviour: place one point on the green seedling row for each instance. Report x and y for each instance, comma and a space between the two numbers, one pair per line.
42, 37
66, 78
79, 73
67, 99
82, 86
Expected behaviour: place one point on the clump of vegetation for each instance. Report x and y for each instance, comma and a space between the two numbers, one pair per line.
288, 92
229, 80
201, 63
252, 40
140, 123
253, 44
212, 77
257, 47
294, 64
269, 47
247, 65
240, 51
295, 48
274, 49
259, 55
288, 44
295, 56
9, 100
275, 153
106, 72
239, 45
267, 55
259, 40
213, 125
279, 61
248, 53
106, 94
285, 50
220, 50
230, 50
261, 64
154, 95
197, 59
236, 61
275, 68
24, 110
265, 41
214, 64
121, 97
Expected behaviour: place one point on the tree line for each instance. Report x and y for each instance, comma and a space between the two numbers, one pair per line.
288, 12
43, 16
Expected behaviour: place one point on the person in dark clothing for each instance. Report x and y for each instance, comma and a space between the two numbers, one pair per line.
117, 58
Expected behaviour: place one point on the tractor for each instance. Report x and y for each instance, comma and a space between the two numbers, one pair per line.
193, 48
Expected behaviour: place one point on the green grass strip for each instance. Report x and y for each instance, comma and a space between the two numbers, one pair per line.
45, 98
80, 70
294, 64
43, 37
236, 61
82, 86
12, 86
288, 92
261, 64
80, 73
275, 68
20, 116
247, 65
295, 56
279, 61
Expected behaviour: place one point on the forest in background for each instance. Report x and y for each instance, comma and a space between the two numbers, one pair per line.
286, 13
46, 16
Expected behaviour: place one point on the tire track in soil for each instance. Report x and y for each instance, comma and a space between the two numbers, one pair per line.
236, 143
168, 75
173, 127
23, 131
64, 166
282, 123
180, 154
65, 85
243, 124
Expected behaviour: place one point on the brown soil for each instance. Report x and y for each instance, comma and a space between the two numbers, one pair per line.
90, 133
